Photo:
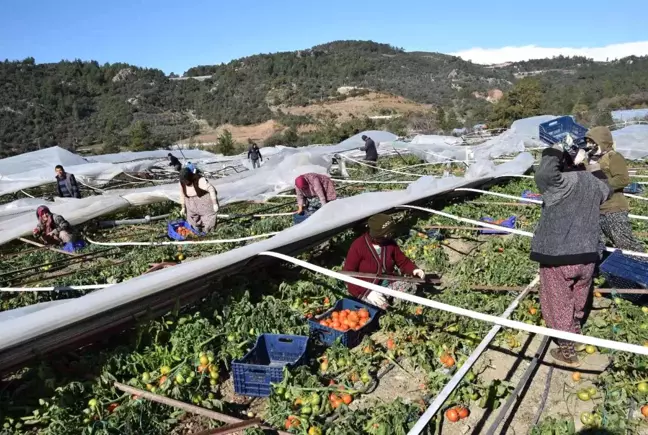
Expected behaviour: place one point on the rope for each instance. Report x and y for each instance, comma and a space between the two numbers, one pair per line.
371, 182
513, 324
55, 289
380, 169
630, 195
199, 242
257, 215
149, 181
90, 187
27, 194
534, 201
507, 230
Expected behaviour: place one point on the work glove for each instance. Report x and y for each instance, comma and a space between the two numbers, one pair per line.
216, 208
376, 299
300, 210
580, 157
183, 211
419, 273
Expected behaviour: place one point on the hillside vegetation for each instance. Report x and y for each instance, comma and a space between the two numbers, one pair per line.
80, 103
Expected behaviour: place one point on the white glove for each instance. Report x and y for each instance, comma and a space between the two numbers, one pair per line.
580, 157
183, 211
376, 299
419, 273
216, 208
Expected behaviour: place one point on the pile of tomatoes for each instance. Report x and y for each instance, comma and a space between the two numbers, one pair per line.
185, 232
457, 413
346, 320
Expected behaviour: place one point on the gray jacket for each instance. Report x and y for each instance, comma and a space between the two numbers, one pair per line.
568, 231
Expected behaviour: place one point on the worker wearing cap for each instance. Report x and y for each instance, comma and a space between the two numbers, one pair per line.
198, 200
371, 153
378, 253
312, 185
52, 229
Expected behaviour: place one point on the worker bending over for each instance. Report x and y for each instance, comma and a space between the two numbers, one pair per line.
371, 153
198, 200
66, 184
378, 253
310, 186
52, 229
173, 161
565, 242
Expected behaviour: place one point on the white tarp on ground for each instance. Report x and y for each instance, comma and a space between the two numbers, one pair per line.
128, 156
523, 134
632, 141
333, 215
629, 115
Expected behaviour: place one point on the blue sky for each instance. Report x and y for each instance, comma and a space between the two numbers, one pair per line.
175, 35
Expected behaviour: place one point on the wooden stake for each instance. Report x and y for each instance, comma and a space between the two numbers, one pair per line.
185, 406
40, 245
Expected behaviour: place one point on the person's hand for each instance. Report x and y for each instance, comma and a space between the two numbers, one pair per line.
580, 157
300, 210
36, 232
419, 273
183, 211
216, 208
376, 299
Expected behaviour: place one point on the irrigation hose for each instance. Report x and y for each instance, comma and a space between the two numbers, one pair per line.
507, 230
198, 242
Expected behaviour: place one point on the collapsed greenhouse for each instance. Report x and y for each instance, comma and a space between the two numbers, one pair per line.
127, 334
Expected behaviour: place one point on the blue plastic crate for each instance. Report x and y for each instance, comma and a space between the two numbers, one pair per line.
74, 246
633, 188
507, 223
528, 194
623, 271
556, 130
349, 339
263, 366
299, 218
172, 229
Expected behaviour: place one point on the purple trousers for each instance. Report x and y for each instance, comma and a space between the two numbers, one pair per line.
563, 295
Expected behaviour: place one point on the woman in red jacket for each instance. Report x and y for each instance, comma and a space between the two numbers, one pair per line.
377, 252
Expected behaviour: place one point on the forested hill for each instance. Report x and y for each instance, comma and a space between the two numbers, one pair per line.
80, 103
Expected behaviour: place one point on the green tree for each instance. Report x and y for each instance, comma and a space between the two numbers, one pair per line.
523, 101
140, 136
602, 118
226, 143
441, 118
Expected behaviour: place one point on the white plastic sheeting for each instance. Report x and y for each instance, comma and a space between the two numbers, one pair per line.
127, 156
333, 215
632, 141
629, 115
276, 175
522, 135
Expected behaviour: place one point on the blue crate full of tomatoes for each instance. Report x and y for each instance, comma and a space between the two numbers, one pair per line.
181, 230
348, 320
263, 365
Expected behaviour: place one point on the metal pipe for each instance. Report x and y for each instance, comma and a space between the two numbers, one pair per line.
144, 220
422, 423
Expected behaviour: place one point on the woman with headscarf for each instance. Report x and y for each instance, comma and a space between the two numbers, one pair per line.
309, 186
52, 229
198, 200
376, 252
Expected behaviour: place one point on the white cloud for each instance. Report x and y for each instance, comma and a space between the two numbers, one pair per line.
488, 56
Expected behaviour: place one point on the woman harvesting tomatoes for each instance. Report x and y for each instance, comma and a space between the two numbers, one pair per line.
376, 252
